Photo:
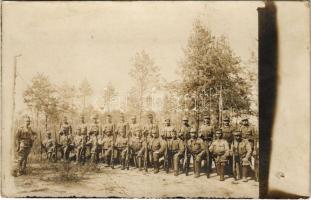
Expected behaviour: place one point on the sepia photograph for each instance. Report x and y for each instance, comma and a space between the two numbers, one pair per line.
130, 99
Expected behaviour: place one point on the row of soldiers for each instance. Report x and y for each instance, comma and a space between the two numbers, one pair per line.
230, 148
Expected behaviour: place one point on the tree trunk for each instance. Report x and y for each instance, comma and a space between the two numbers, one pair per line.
46, 122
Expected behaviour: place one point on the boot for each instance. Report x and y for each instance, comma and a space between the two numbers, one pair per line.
222, 172
156, 167
139, 164
123, 164
197, 170
244, 173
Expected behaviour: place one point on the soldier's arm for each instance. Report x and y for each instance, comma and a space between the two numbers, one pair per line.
226, 149
248, 150
181, 146
163, 146
211, 148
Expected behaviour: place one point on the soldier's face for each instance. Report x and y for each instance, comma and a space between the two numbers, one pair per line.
185, 122
167, 122
155, 135
245, 122
109, 119
207, 121
134, 121
27, 122
122, 119
193, 135
218, 135
174, 135
226, 123
238, 137
65, 120
150, 119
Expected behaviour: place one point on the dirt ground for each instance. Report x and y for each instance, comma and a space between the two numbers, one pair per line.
71, 180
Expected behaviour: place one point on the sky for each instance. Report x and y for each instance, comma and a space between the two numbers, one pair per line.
71, 41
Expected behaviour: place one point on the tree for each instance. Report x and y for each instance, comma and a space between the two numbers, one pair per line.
212, 74
109, 95
41, 97
66, 96
85, 91
145, 75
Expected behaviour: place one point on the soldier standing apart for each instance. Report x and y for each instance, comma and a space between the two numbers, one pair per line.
227, 134
49, 145
241, 152
220, 150
158, 146
197, 150
25, 138
185, 132
206, 133
167, 135
178, 150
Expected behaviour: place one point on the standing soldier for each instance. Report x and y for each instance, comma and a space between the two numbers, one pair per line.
247, 130
109, 141
122, 126
197, 150
79, 146
220, 150
94, 143
121, 145
49, 145
136, 148
83, 126
94, 130
65, 139
185, 132
241, 152
178, 149
206, 133
158, 146
147, 136
227, 134
24, 138
134, 127
167, 135
66, 128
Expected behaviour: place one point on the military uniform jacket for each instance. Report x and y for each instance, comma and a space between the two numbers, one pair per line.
78, 141
122, 127
66, 129
107, 142
177, 146
94, 128
158, 144
121, 142
25, 137
206, 132
108, 128
136, 144
185, 131
133, 128
242, 149
83, 127
167, 132
219, 147
94, 142
66, 140
196, 146
149, 128
49, 144
227, 133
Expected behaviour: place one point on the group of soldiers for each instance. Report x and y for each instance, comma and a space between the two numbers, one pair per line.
233, 150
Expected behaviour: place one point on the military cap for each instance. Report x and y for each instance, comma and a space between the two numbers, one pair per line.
238, 132
226, 118
218, 131
185, 118
193, 130
207, 117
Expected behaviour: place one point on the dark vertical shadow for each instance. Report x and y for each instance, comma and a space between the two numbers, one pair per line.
268, 57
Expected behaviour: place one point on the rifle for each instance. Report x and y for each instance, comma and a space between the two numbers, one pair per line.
55, 146
207, 159
166, 167
185, 164
112, 151
128, 152
146, 155
40, 147
233, 162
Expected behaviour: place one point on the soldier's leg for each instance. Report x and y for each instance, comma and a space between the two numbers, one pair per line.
107, 156
123, 158
244, 172
155, 162
222, 167
176, 159
187, 164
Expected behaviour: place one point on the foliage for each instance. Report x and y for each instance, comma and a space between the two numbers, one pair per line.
109, 95
85, 90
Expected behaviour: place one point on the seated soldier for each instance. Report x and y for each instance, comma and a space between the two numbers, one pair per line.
178, 149
157, 146
121, 147
49, 146
136, 148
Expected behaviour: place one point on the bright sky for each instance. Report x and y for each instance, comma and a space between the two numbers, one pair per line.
70, 41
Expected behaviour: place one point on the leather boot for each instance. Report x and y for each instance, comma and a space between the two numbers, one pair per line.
244, 173
156, 167
197, 170
222, 172
139, 164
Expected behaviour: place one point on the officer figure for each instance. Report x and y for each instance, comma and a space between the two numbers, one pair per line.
185, 128
49, 145
178, 150
157, 146
24, 138
197, 150
167, 135
220, 151
241, 152
206, 133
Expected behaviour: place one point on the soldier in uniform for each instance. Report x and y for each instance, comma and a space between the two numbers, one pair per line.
241, 152
247, 130
134, 126
206, 133
122, 126
167, 135
197, 150
79, 143
185, 134
137, 148
49, 145
24, 138
178, 150
220, 151
65, 139
83, 126
157, 146
121, 145
109, 142
95, 129
94, 143
255, 155
147, 135
227, 134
